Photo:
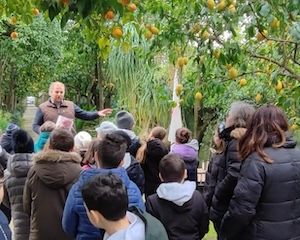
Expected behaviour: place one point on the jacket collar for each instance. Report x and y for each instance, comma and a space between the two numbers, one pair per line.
56, 156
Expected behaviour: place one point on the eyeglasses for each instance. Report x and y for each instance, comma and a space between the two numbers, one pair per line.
221, 127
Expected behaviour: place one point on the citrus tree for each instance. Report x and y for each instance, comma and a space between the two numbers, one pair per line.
225, 50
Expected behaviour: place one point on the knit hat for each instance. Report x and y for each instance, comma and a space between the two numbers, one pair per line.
22, 142
124, 120
82, 140
11, 128
124, 135
105, 128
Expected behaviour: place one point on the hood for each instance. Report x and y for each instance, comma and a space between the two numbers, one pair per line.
130, 133
19, 164
135, 230
290, 141
120, 172
232, 132
237, 133
187, 150
126, 160
57, 168
178, 193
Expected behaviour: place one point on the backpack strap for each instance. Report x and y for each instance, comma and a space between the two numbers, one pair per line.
153, 227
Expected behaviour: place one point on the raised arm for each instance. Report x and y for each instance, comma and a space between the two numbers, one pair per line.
90, 115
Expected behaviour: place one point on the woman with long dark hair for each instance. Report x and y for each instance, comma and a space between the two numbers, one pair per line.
266, 201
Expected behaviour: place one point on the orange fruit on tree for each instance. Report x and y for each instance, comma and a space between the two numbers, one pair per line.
13, 20
109, 15
132, 7
35, 11
14, 35
198, 96
65, 2
148, 35
154, 30
125, 2
117, 32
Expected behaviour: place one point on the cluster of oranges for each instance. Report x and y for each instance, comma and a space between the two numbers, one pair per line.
110, 15
13, 21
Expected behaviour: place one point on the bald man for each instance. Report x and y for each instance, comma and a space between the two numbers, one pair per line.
57, 105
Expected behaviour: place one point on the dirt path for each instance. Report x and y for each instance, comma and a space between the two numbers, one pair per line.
28, 117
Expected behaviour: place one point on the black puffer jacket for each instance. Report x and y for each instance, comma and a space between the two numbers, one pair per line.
155, 151
15, 177
211, 178
134, 171
266, 202
228, 173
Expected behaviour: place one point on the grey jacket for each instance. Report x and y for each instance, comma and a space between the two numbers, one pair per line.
15, 177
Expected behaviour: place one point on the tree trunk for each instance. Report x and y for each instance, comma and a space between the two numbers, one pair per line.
100, 78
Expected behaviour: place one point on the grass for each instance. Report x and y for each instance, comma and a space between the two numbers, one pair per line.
211, 235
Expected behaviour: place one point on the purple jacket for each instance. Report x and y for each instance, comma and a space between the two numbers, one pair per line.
188, 153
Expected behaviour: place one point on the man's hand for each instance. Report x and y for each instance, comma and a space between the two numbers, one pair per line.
104, 112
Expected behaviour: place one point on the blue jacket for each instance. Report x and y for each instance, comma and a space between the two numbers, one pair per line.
75, 221
40, 143
5, 232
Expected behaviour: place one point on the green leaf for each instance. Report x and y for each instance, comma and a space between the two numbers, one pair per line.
265, 10
53, 12
125, 47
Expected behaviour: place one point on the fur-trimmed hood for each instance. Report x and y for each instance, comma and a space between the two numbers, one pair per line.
57, 168
237, 133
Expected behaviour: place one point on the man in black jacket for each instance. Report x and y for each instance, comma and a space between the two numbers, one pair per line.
177, 203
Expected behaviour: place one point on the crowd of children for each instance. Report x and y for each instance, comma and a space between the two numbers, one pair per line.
77, 187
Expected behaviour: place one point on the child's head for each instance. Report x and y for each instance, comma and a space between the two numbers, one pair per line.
1, 183
89, 156
125, 136
82, 141
105, 128
105, 198
111, 151
183, 135
22, 142
125, 120
47, 126
62, 140
172, 168
158, 132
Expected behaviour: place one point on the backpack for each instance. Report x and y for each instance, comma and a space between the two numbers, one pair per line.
153, 227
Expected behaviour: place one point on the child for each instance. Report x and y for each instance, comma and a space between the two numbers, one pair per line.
188, 149
47, 185
125, 121
109, 159
6, 138
45, 131
118, 223
82, 141
88, 161
212, 171
15, 175
132, 166
5, 232
150, 155
106, 127
177, 203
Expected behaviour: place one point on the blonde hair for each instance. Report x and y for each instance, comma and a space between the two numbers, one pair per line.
47, 126
52, 85
156, 132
